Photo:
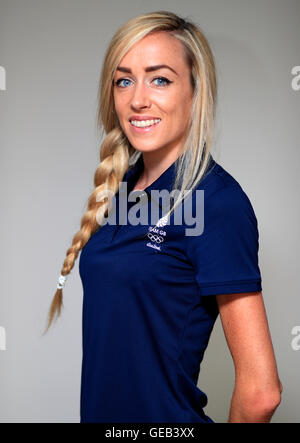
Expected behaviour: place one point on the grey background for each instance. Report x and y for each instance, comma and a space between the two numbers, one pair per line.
52, 52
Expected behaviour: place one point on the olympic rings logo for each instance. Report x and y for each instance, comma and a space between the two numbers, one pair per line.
155, 238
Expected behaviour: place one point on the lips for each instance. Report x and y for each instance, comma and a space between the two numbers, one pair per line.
142, 117
139, 129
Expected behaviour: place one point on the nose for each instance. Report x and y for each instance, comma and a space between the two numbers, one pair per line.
140, 96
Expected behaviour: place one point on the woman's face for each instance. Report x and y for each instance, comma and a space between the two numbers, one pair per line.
163, 93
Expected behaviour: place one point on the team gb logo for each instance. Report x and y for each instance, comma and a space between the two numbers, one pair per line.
156, 235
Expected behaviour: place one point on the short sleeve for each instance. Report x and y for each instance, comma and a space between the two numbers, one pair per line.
225, 255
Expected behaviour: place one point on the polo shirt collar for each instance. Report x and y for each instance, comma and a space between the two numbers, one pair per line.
164, 181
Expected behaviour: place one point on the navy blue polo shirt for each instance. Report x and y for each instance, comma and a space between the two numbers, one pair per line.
149, 302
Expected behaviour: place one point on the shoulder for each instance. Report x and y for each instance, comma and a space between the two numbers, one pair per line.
223, 193
222, 209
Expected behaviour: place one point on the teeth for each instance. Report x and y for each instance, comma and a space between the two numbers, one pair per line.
144, 123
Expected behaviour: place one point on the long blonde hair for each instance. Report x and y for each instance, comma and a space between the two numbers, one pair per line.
116, 153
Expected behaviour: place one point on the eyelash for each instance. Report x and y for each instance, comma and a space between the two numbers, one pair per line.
117, 83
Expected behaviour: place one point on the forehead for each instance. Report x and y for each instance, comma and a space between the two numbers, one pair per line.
156, 48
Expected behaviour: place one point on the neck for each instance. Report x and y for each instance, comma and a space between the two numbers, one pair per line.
155, 164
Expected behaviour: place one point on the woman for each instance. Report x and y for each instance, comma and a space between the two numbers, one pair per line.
153, 292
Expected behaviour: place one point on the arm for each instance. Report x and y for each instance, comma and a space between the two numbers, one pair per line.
257, 391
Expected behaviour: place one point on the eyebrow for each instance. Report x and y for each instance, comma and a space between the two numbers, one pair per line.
148, 69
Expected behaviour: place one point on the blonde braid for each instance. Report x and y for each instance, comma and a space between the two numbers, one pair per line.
114, 162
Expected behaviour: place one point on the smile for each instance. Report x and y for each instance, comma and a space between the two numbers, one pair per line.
144, 125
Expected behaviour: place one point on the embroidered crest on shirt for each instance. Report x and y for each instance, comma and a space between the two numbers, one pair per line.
156, 235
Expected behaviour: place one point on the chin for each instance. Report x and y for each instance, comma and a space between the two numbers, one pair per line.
145, 149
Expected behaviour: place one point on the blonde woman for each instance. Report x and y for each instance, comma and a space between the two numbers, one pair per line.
152, 291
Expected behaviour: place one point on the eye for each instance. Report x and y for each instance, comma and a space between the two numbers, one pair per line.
164, 79
117, 83
167, 82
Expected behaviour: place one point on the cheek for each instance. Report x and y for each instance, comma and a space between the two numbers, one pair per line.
180, 110
185, 107
177, 104
119, 102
